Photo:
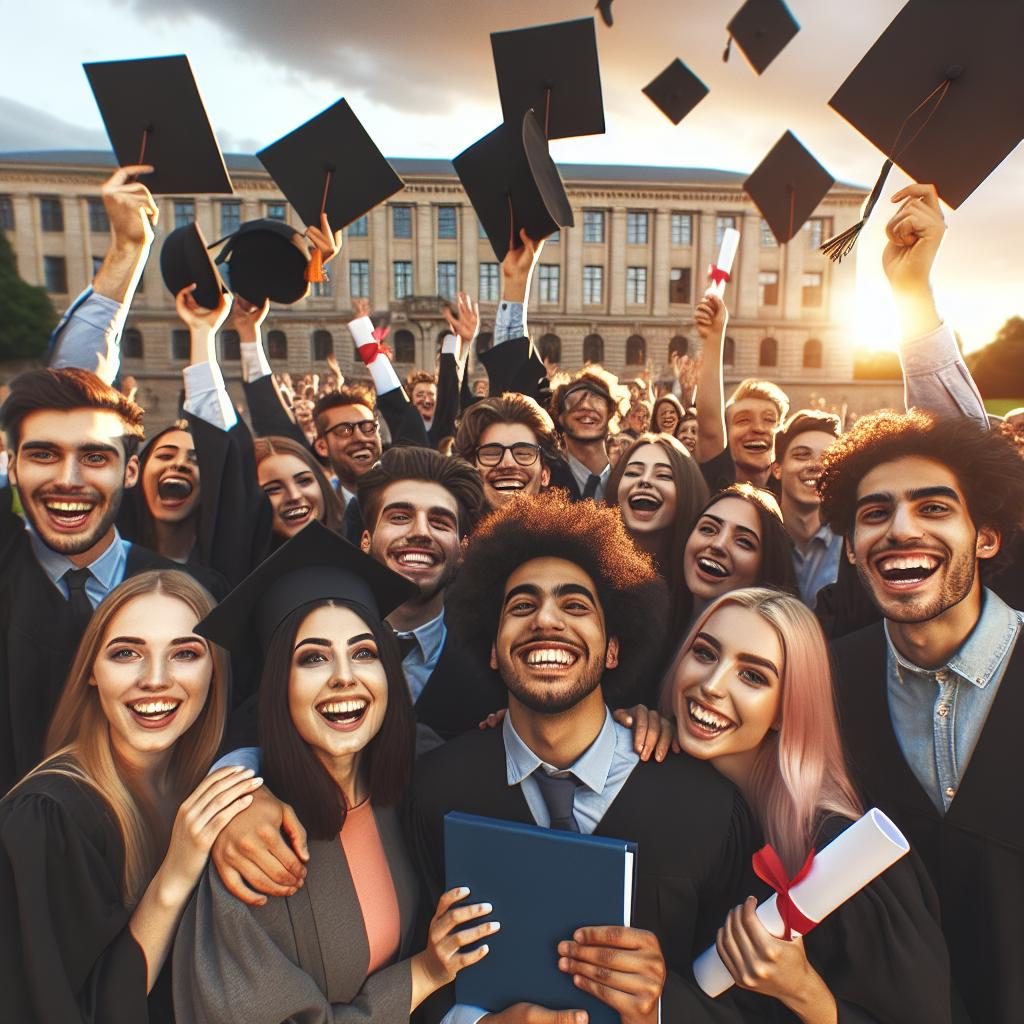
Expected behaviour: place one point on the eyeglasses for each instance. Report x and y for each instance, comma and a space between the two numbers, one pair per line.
346, 429
574, 397
524, 453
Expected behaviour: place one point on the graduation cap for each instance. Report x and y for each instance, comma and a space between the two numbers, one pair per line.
761, 29
552, 70
513, 183
314, 565
605, 7
787, 186
676, 91
939, 94
183, 259
266, 259
154, 115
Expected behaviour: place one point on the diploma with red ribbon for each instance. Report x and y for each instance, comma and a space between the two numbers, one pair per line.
826, 881
719, 271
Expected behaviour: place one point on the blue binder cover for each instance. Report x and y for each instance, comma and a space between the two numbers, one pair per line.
543, 884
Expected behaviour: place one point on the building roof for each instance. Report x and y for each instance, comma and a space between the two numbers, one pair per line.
618, 173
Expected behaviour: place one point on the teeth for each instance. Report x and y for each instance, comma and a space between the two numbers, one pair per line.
508, 484
706, 717
154, 707
342, 707
550, 656
925, 562
416, 558
713, 567
68, 506
756, 446
296, 513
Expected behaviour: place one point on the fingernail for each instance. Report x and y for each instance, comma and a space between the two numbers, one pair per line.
495, 926
462, 891
258, 781
485, 949
485, 908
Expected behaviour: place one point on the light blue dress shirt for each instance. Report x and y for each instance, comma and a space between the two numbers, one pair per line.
510, 321
107, 571
581, 475
819, 565
88, 335
419, 664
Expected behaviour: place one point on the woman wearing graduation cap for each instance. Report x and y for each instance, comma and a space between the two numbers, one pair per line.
336, 727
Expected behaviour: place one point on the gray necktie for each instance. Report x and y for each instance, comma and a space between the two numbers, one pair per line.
78, 600
559, 792
593, 482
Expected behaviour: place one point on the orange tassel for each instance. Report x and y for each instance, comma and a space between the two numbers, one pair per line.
315, 269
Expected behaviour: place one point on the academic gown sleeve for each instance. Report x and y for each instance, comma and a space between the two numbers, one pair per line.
446, 409
66, 952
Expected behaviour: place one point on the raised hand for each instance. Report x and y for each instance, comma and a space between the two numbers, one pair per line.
466, 323
247, 318
360, 307
711, 318
517, 266
196, 317
914, 235
131, 209
326, 240
531, 1013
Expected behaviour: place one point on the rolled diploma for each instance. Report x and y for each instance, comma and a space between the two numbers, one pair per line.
838, 872
726, 255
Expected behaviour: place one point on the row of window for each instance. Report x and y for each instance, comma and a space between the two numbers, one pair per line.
812, 288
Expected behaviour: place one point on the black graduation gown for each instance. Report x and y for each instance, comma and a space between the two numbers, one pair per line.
515, 365
974, 852
267, 411
691, 825
67, 955
403, 419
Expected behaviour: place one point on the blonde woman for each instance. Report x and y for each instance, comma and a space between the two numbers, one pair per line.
103, 842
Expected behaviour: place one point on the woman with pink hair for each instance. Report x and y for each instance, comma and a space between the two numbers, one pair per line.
751, 692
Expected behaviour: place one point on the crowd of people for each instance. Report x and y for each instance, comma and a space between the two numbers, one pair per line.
250, 662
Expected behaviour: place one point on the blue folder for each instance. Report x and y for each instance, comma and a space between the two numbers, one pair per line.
543, 884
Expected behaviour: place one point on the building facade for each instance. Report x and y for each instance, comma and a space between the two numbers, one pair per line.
616, 288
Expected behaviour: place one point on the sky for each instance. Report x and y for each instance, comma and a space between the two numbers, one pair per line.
419, 75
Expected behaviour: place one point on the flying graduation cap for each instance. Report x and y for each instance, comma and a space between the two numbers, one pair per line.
939, 94
787, 186
761, 29
184, 260
676, 91
154, 115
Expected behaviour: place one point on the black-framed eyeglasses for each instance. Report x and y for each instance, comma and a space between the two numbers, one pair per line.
346, 429
524, 453
575, 396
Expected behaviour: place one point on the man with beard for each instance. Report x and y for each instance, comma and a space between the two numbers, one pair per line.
555, 596
932, 697
72, 441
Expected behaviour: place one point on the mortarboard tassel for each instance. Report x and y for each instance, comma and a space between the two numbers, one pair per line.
727, 50
605, 7
840, 245
315, 268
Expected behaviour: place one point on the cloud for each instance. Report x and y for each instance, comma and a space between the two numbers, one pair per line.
26, 128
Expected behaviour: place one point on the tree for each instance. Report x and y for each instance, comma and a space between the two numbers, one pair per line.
26, 313
998, 368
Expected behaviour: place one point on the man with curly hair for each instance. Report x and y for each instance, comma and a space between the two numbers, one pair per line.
555, 596
932, 697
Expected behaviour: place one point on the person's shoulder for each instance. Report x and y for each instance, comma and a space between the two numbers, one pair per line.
458, 759
857, 643
58, 793
684, 774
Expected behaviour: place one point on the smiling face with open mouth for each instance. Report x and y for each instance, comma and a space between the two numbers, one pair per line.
752, 423
508, 479
723, 551
647, 491
337, 686
170, 477
293, 490
352, 455
152, 675
800, 469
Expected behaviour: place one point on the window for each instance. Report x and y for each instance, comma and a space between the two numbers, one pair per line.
447, 279
554, 238
447, 222
55, 274
819, 230
6, 213
359, 228
769, 352
401, 221
277, 345
403, 278
51, 212
230, 217
321, 289
593, 226
277, 211
99, 222
593, 285
721, 223
636, 350
679, 285
489, 282
679, 345
184, 212
812, 288
131, 343
405, 347
550, 348
767, 238
359, 278
180, 345
593, 349
229, 346
729, 351
636, 285
323, 345
549, 279
768, 288
636, 227
682, 229
812, 354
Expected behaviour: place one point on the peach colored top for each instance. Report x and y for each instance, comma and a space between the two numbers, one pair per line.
374, 887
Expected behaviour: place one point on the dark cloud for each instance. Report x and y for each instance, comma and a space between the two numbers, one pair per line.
26, 128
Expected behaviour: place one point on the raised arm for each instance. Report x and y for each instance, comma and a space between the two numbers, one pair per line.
711, 318
205, 394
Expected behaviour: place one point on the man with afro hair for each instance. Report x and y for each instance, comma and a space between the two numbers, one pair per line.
555, 596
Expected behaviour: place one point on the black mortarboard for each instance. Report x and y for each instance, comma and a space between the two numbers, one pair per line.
154, 115
552, 70
676, 91
314, 565
787, 185
605, 7
513, 183
330, 164
266, 259
939, 94
184, 259
761, 28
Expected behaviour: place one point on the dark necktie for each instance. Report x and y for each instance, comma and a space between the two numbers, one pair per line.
559, 792
407, 643
593, 482
81, 606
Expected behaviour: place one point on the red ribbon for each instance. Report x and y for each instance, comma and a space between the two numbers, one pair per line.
369, 352
717, 275
380, 333
769, 868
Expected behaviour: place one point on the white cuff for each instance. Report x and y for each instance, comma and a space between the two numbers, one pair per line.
254, 361
206, 396
450, 345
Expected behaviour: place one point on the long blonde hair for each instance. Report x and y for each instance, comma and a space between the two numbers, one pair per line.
78, 741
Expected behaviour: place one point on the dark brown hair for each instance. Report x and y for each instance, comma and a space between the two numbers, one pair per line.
801, 422
603, 380
350, 394
511, 407
264, 447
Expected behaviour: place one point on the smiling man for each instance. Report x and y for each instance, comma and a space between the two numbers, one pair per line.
932, 698
555, 596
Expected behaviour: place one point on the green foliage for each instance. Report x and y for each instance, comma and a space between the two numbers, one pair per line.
26, 313
998, 368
